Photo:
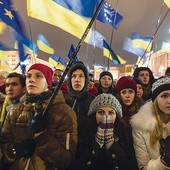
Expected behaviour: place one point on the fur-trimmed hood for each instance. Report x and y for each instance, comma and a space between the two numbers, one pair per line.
144, 119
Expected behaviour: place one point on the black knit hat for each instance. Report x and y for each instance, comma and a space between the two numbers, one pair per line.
104, 73
138, 81
162, 84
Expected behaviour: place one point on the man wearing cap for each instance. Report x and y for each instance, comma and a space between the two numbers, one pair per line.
151, 129
31, 140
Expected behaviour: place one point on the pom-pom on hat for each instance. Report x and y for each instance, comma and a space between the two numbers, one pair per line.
125, 82
106, 73
162, 84
104, 100
47, 72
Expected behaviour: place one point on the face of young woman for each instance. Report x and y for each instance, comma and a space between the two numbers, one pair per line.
127, 96
106, 81
163, 100
139, 90
107, 114
36, 82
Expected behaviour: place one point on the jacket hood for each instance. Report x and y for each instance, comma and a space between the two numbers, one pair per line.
144, 119
77, 65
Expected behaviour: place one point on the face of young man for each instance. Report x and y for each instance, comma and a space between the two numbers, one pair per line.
36, 82
57, 75
78, 80
14, 88
127, 96
144, 77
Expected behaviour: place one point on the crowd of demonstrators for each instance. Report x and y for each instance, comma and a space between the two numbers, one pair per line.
79, 99
31, 140
15, 89
105, 84
107, 143
105, 126
151, 129
3, 76
145, 75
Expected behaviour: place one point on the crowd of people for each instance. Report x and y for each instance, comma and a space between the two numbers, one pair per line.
108, 125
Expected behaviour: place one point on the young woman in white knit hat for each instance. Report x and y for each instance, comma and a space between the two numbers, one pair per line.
151, 129
107, 144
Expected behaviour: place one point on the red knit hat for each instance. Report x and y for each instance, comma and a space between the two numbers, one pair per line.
47, 72
125, 82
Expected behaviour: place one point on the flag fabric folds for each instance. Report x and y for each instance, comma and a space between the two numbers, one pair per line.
109, 16
142, 42
52, 12
58, 62
9, 16
129, 46
167, 2
44, 45
3, 55
72, 49
109, 53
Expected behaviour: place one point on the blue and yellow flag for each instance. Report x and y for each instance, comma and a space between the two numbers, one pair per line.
57, 62
142, 42
109, 16
70, 53
109, 53
60, 14
44, 45
167, 2
3, 55
129, 46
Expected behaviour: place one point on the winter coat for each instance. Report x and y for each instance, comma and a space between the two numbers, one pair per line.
118, 156
143, 123
56, 145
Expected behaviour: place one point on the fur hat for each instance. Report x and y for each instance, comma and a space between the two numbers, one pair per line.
106, 73
47, 72
125, 82
103, 100
162, 84
4, 73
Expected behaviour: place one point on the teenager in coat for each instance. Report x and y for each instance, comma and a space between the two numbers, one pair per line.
151, 129
107, 141
33, 141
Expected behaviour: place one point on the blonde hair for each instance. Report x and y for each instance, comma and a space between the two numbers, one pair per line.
157, 133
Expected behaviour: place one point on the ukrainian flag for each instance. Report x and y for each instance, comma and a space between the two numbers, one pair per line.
56, 14
141, 42
109, 53
3, 55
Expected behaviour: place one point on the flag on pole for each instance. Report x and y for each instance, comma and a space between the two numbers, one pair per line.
109, 16
44, 45
60, 14
141, 42
109, 53
72, 49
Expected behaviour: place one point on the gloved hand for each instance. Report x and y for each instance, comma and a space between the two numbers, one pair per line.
109, 135
165, 150
101, 131
25, 148
39, 123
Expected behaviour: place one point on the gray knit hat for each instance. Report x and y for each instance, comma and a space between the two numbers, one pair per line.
105, 99
162, 84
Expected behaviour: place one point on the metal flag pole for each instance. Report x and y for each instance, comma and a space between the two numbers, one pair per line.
73, 57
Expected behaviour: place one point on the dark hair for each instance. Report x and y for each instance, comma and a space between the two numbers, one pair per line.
19, 76
167, 72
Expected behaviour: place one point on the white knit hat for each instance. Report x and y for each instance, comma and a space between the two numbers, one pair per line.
103, 100
162, 84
